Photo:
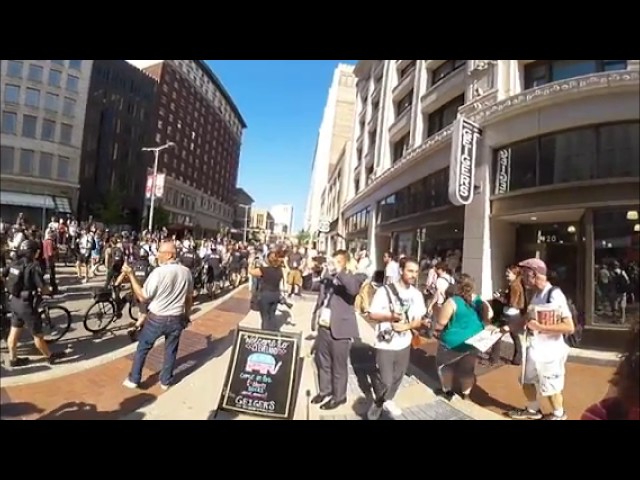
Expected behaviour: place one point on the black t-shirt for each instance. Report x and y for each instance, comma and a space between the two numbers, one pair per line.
295, 260
188, 259
215, 261
141, 270
271, 279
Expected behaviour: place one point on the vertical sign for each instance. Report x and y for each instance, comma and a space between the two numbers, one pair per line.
503, 171
160, 180
464, 151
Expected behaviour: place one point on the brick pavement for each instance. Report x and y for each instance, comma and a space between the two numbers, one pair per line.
97, 393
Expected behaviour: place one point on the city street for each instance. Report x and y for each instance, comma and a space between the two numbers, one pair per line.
83, 348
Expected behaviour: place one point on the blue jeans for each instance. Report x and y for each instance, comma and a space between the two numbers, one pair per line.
155, 327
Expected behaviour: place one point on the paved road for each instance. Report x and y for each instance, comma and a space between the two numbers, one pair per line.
82, 347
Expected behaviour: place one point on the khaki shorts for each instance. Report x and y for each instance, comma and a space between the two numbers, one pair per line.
546, 374
294, 278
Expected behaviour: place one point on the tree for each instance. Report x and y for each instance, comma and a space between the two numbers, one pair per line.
161, 218
110, 212
303, 237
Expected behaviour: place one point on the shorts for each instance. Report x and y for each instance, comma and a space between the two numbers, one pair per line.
82, 259
234, 268
214, 275
25, 315
546, 374
294, 277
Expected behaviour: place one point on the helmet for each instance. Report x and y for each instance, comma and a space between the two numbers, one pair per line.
28, 246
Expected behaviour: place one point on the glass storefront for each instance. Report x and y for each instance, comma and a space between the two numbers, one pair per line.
616, 235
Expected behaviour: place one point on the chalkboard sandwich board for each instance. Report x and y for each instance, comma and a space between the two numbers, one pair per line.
263, 373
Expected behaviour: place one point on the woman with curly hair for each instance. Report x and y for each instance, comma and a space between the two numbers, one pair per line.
624, 400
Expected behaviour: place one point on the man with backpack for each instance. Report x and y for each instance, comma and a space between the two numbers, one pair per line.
548, 320
621, 288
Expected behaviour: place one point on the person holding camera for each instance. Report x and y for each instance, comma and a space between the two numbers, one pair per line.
511, 304
337, 327
398, 308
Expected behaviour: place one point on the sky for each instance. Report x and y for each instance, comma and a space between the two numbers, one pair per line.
282, 102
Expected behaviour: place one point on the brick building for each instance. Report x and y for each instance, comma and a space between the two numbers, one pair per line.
194, 111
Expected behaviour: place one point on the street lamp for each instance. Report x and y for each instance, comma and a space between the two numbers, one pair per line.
156, 153
246, 222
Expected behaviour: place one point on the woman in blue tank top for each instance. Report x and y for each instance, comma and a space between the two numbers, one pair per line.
462, 316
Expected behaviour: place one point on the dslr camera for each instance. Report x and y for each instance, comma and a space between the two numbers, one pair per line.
385, 335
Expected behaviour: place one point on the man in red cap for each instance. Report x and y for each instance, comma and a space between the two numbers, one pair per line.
548, 320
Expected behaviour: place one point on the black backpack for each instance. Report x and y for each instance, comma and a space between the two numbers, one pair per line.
16, 278
621, 283
573, 340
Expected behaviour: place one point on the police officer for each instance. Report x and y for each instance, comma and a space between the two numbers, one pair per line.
117, 261
24, 282
190, 259
214, 269
142, 268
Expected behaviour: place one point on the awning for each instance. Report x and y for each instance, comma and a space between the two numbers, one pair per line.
62, 205
27, 200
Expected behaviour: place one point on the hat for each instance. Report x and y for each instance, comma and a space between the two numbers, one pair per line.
536, 265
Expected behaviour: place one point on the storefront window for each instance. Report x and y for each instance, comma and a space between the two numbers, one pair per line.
594, 152
616, 259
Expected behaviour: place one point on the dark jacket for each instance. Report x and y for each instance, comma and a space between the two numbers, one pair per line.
343, 289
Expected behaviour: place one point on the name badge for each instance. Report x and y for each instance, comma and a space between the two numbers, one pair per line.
324, 320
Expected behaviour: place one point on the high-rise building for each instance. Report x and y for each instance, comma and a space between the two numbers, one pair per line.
194, 111
554, 173
282, 219
43, 110
335, 130
117, 126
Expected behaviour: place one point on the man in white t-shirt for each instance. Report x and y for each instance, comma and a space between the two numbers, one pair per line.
391, 269
549, 319
397, 308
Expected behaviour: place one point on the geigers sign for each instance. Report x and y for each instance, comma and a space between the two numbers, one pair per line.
464, 151
503, 171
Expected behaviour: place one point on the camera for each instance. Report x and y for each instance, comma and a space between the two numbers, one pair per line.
283, 301
385, 335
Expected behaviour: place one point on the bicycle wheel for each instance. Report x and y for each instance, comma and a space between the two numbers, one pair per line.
134, 312
99, 316
56, 322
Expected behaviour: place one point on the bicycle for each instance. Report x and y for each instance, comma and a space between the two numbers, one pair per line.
56, 319
107, 307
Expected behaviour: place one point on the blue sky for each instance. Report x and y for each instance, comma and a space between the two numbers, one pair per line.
282, 102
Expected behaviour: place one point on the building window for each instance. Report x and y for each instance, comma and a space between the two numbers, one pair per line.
64, 167
55, 78
618, 151
45, 165
12, 94
444, 116
567, 157
52, 102
66, 132
72, 83
7, 156
75, 64
14, 68
26, 162
406, 71
404, 104
48, 132
35, 73
32, 99
62, 63
582, 154
616, 235
29, 126
446, 69
69, 107
542, 72
400, 148
9, 122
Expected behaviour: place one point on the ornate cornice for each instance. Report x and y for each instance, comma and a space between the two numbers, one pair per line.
490, 112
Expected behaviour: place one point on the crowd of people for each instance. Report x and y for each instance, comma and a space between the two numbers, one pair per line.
406, 301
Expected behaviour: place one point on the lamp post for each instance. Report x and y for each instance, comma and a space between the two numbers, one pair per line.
156, 154
246, 222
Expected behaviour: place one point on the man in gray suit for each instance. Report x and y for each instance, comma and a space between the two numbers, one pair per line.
337, 327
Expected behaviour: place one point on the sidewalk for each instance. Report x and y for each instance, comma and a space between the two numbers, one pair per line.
196, 397
97, 393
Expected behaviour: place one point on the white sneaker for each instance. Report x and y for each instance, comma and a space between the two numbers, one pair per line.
392, 408
374, 412
129, 384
